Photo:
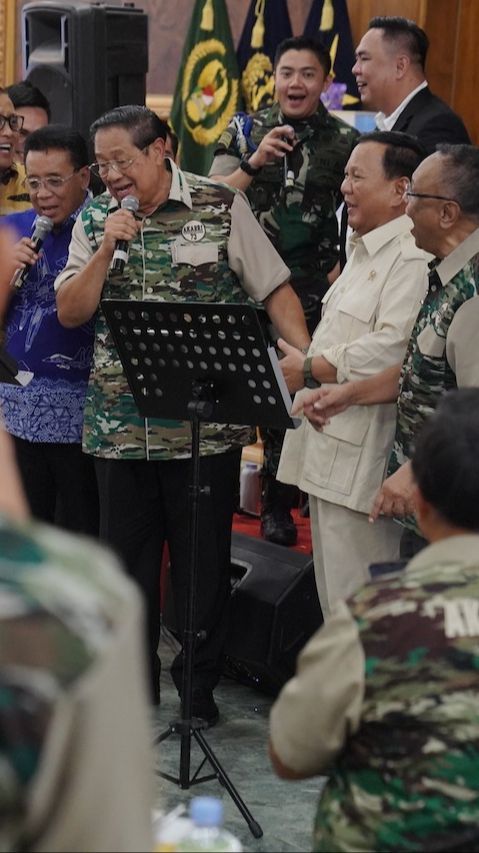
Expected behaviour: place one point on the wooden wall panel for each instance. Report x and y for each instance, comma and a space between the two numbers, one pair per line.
466, 69
361, 11
441, 26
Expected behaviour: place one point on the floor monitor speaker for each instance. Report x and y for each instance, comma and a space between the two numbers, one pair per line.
85, 58
274, 611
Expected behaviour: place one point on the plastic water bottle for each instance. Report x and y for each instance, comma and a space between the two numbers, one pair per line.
208, 833
250, 488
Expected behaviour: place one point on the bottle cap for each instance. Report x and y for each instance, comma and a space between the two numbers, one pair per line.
206, 811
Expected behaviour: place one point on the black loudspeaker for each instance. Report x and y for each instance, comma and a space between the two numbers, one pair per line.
274, 611
85, 58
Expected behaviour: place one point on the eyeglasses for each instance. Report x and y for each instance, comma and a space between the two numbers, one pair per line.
53, 184
120, 166
15, 122
411, 194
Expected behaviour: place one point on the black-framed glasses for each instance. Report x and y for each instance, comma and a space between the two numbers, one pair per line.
411, 194
15, 122
54, 183
120, 166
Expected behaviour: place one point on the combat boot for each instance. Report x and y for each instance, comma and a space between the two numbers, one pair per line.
277, 523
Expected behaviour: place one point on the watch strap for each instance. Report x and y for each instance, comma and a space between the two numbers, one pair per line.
309, 380
250, 170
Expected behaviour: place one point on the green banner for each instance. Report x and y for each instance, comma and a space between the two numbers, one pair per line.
206, 94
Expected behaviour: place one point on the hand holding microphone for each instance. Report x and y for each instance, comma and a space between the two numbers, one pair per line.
42, 227
120, 255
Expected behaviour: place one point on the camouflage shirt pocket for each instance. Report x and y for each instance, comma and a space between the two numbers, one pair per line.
430, 343
194, 254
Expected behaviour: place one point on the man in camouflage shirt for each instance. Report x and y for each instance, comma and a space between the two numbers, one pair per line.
443, 351
193, 240
386, 694
289, 159
74, 755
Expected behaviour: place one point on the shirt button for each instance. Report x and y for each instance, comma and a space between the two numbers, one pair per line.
147, 221
149, 254
149, 290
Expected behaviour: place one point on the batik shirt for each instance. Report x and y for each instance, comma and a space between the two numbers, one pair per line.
204, 245
300, 221
50, 408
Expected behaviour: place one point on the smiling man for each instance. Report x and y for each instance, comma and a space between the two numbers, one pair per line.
32, 105
192, 240
443, 203
368, 314
389, 71
46, 417
297, 210
13, 196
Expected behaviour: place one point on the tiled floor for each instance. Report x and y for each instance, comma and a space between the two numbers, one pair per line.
284, 810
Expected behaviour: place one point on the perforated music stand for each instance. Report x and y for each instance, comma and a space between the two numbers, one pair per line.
202, 363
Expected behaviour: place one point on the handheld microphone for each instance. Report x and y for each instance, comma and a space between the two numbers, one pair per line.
120, 255
42, 227
288, 170
288, 177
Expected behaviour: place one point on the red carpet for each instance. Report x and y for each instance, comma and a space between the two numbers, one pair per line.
250, 526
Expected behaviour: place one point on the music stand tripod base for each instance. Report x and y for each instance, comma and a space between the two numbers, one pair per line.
202, 363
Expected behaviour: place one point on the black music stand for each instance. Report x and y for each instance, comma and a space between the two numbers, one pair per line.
202, 363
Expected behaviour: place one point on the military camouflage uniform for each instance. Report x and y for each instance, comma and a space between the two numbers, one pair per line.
202, 245
183, 253
397, 727
427, 371
301, 221
70, 651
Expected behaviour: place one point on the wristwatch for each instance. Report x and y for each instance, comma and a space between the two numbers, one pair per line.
250, 170
309, 380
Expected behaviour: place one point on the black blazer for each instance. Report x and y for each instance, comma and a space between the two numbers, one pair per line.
432, 121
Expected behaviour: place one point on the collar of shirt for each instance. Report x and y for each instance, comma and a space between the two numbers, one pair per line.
303, 126
453, 263
463, 548
376, 239
179, 189
384, 122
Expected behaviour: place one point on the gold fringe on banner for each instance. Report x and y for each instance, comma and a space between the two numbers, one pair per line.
257, 33
327, 16
207, 18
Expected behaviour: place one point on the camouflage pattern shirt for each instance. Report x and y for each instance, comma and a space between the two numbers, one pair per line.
301, 221
443, 351
203, 245
70, 646
385, 701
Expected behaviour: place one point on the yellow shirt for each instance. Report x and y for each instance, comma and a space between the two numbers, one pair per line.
13, 195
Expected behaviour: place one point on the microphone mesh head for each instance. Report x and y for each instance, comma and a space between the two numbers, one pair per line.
131, 203
43, 226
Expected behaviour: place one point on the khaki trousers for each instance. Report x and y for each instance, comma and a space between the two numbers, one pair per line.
345, 543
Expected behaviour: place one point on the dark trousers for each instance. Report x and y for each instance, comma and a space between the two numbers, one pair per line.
145, 504
60, 484
411, 543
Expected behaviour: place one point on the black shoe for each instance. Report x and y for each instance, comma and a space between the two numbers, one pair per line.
204, 706
277, 525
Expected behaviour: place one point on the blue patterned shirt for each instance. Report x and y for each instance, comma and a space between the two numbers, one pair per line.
50, 408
